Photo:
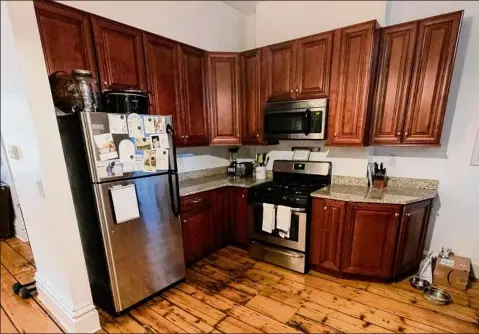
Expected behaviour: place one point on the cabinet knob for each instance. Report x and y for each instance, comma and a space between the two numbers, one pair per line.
237, 136
105, 83
182, 136
408, 214
242, 196
257, 135
291, 91
335, 134
398, 134
396, 214
325, 208
186, 137
405, 133
297, 90
184, 221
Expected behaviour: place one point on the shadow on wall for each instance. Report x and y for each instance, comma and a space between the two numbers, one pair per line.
440, 152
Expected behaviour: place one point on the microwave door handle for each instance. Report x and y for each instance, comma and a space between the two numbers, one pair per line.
307, 122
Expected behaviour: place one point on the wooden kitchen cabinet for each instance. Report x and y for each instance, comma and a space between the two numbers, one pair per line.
298, 69
221, 222
66, 38
327, 227
396, 56
352, 80
119, 50
197, 215
251, 98
433, 65
279, 72
370, 239
313, 67
162, 69
238, 206
412, 235
193, 88
223, 87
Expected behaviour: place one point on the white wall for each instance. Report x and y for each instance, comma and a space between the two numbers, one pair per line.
211, 25
278, 21
40, 176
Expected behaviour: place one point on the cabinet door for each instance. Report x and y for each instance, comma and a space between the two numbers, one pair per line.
327, 226
396, 55
279, 62
120, 54
162, 69
314, 66
221, 222
370, 239
251, 96
238, 206
223, 87
351, 74
192, 69
412, 233
66, 38
433, 65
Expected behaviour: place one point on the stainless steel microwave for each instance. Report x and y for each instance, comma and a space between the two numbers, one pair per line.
304, 119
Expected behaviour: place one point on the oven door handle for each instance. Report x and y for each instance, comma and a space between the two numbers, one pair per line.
292, 209
296, 256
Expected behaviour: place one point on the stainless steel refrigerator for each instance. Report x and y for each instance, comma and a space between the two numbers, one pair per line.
132, 250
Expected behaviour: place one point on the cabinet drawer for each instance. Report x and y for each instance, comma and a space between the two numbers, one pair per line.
196, 201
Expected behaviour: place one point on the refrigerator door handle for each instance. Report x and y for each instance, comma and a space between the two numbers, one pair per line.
173, 174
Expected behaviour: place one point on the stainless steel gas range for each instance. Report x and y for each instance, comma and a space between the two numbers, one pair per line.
293, 182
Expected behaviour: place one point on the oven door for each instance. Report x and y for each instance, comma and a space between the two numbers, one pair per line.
297, 233
287, 124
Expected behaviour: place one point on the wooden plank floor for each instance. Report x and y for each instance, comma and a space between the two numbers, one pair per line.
229, 292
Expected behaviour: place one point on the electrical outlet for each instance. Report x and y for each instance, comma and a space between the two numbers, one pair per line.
392, 160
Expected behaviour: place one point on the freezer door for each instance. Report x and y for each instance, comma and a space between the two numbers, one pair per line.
98, 123
144, 255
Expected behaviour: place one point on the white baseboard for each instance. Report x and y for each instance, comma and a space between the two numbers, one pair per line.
81, 318
21, 233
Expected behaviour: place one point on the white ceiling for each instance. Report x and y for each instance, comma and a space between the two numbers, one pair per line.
246, 7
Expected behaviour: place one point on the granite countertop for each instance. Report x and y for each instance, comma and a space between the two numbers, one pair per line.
196, 185
388, 195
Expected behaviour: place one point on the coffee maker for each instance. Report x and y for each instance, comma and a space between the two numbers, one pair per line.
236, 168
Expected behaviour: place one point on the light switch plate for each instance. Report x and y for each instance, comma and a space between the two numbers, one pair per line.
14, 152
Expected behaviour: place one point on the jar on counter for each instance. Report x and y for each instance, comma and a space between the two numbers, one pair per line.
89, 89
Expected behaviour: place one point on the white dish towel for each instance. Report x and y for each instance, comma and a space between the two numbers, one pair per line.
268, 217
283, 220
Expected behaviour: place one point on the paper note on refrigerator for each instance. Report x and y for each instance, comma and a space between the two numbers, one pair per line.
154, 124
125, 203
127, 151
117, 123
162, 159
106, 147
135, 126
138, 163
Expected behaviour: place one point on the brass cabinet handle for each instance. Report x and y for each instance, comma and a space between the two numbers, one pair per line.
291, 91
408, 214
257, 135
399, 133
184, 221
396, 214
297, 90
405, 133
325, 208
237, 135
335, 134
105, 84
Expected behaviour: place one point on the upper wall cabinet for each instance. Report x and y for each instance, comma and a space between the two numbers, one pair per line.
313, 67
120, 54
396, 57
162, 71
279, 71
351, 83
434, 61
223, 84
251, 100
66, 38
194, 108
298, 69
414, 73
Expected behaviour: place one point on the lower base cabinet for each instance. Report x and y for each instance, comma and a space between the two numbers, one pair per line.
212, 220
367, 239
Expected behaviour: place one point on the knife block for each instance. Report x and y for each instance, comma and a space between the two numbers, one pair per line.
380, 183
